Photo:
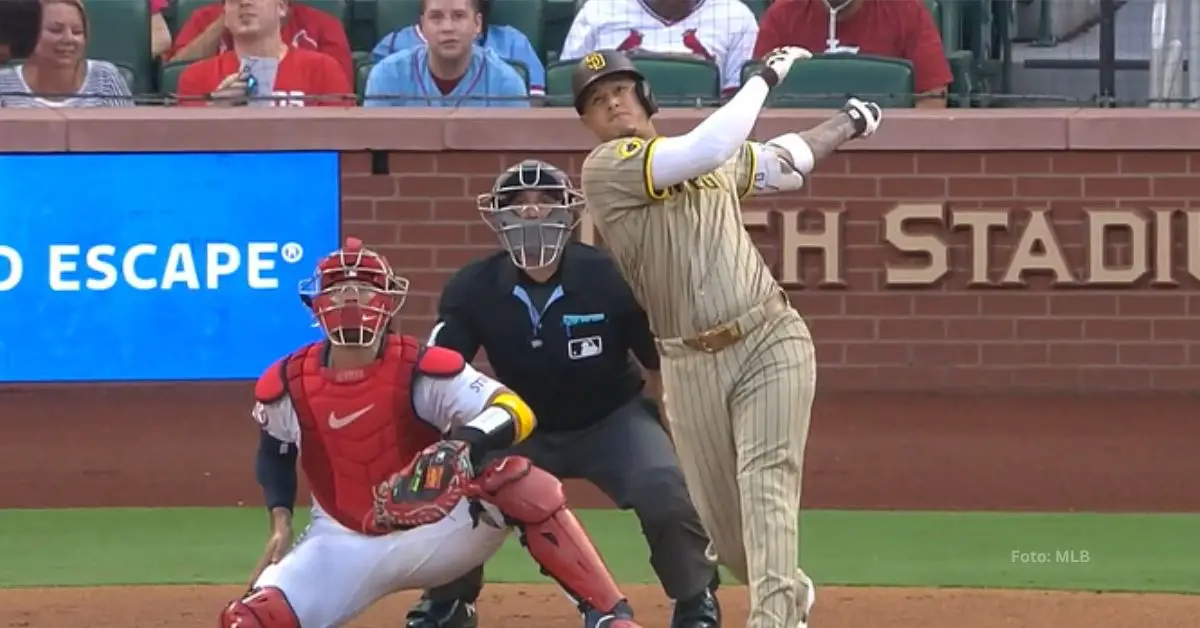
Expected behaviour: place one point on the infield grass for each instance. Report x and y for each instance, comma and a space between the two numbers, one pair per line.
85, 547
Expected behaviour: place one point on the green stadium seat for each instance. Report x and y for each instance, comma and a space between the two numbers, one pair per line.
337, 8
120, 33
758, 7
676, 81
521, 69
393, 15
360, 27
826, 81
168, 78
523, 15
360, 81
947, 14
557, 16
359, 57
962, 71
129, 74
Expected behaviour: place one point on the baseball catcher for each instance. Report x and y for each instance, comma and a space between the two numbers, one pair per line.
394, 505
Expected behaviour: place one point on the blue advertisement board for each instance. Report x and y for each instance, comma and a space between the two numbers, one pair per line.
159, 267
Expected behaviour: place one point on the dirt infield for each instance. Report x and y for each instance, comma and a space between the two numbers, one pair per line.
543, 607
193, 445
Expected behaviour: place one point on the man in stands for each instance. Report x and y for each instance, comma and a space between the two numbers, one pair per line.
450, 70
901, 29
205, 34
508, 42
20, 22
721, 31
260, 69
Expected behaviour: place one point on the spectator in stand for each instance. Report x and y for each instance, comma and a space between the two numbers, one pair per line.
508, 42
901, 29
20, 22
261, 64
449, 70
56, 73
160, 33
304, 27
721, 31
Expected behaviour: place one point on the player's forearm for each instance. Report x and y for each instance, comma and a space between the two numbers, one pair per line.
504, 422
828, 136
275, 470
802, 151
673, 160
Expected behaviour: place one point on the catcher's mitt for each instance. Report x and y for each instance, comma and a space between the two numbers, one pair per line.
426, 490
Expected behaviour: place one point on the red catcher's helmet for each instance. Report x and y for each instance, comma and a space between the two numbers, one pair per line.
354, 294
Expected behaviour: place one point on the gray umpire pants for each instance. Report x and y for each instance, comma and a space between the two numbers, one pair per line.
629, 457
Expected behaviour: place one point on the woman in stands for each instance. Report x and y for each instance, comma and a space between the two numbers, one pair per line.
56, 74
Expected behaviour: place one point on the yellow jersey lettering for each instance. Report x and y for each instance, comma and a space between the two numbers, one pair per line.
703, 182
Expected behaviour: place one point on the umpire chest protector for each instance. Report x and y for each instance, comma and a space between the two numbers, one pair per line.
357, 427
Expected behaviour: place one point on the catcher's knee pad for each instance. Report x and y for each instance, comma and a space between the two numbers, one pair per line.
533, 501
523, 492
264, 608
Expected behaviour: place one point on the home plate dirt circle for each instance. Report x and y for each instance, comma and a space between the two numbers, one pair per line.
542, 606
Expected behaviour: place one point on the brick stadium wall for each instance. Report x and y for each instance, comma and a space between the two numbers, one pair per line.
981, 250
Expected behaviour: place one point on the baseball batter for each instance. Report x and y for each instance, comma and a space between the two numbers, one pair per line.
738, 367
395, 506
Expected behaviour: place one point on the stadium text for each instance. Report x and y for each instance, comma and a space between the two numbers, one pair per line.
925, 233
146, 266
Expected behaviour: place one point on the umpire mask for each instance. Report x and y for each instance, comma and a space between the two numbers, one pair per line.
533, 207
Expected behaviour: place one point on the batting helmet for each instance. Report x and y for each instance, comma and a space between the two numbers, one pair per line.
596, 66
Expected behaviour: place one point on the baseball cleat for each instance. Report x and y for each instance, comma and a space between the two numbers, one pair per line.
433, 614
620, 617
701, 611
810, 599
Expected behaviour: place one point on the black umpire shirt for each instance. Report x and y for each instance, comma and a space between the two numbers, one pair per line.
563, 345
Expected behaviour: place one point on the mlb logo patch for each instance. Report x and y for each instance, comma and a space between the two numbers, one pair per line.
583, 348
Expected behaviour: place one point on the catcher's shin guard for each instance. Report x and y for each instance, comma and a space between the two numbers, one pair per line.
533, 500
263, 608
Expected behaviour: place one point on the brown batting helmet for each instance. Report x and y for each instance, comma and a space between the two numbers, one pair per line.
596, 66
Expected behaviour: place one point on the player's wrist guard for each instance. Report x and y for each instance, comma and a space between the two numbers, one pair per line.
769, 75
858, 113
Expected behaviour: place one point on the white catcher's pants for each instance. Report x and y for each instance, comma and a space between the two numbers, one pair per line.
333, 573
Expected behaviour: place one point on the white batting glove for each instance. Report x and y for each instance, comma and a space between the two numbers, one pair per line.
779, 62
865, 115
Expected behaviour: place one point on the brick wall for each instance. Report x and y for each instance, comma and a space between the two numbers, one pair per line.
1116, 315
944, 335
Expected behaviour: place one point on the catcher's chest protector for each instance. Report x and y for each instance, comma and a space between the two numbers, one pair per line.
355, 434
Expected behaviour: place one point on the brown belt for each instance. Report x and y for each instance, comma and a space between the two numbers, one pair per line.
724, 335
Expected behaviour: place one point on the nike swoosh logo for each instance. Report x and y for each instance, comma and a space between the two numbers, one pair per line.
338, 423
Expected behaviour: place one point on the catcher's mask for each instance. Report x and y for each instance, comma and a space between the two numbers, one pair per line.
533, 207
354, 294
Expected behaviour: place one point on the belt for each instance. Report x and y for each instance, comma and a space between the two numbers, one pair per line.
724, 335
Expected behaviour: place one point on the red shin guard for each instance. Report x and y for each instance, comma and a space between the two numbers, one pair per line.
533, 500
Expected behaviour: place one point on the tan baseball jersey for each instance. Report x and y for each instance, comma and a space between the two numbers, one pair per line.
684, 250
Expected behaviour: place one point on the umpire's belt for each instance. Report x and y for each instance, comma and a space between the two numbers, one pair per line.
726, 334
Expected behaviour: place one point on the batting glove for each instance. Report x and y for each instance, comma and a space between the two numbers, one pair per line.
866, 116
779, 62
